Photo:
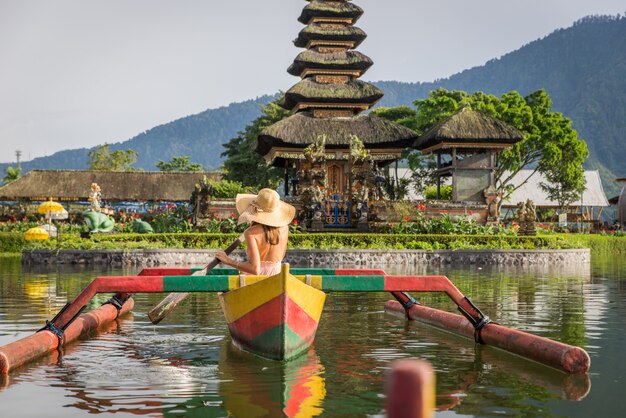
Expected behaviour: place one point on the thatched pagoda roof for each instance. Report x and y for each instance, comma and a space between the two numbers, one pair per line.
299, 130
315, 32
69, 185
468, 126
332, 9
309, 91
347, 60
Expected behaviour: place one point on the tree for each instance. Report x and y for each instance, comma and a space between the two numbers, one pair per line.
559, 164
423, 168
243, 163
547, 135
403, 115
11, 174
102, 159
179, 163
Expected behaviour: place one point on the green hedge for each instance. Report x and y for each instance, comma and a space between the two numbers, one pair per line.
14, 242
598, 243
309, 241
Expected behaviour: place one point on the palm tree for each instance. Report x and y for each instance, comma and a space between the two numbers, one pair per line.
11, 174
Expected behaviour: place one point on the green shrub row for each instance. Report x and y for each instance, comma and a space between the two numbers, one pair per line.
14, 242
599, 243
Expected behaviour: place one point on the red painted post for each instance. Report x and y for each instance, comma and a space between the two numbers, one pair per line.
410, 389
27, 349
562, 356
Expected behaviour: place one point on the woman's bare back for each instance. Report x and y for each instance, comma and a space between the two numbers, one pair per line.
267, 253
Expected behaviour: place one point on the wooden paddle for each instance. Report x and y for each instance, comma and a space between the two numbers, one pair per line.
171, 301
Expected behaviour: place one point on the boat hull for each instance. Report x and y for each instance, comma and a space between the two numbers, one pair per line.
275, 318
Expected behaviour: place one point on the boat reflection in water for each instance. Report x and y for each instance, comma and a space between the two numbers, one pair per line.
237, 383
265, 388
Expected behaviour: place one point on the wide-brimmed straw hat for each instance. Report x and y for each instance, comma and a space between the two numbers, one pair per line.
265, 208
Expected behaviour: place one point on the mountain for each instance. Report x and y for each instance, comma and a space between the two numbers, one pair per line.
583, 68
200, 136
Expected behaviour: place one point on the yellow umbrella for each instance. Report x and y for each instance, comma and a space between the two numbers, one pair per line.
36, 233
49, 207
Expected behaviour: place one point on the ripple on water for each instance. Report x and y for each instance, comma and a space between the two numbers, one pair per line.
188, 361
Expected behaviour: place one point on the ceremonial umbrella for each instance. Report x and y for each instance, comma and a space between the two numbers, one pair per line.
36, 233
50, 207
58, 216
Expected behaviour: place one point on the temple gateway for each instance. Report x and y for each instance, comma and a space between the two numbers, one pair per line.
330, 151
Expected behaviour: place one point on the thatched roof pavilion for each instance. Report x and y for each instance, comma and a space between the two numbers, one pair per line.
323, 10
352, 61
466, 145
469, 128
309, 93
316, 34
287, 138
74, 185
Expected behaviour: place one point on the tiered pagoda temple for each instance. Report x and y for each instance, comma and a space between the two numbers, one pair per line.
329, 149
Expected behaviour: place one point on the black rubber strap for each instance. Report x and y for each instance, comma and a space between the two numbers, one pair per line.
50, 326
479, 327
118, 301
410, 301
478, 323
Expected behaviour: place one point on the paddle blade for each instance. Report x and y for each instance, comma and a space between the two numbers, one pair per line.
167, 305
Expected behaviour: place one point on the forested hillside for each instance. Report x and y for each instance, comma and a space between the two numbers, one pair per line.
583, 69
199, 136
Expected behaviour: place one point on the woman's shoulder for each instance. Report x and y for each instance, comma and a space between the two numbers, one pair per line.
255, 229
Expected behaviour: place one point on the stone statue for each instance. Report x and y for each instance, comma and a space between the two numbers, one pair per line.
493, 198
142, 227
521, 212
95, 197
98, 221
201, 202
526, 216
316, 152
531, 213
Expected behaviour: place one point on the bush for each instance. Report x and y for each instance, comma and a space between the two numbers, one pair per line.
324, 241
430, 192
465, 225
15, 242
12, 242
225, 189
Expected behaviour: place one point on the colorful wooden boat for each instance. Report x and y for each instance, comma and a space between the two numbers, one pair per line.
274, 317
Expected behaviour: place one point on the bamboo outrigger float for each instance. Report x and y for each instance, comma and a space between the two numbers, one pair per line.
276, 317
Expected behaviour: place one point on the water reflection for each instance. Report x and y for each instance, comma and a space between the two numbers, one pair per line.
187, 365
262, 388
485, 364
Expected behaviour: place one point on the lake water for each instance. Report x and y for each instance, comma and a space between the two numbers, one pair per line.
187, 366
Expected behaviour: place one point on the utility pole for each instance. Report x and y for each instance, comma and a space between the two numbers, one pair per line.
18, 154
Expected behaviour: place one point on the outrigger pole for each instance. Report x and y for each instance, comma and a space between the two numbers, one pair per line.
64, 328
479, 327
56, 334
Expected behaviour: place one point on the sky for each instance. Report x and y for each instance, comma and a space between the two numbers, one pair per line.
79, 73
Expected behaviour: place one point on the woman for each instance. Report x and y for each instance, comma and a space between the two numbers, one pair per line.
266, 238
